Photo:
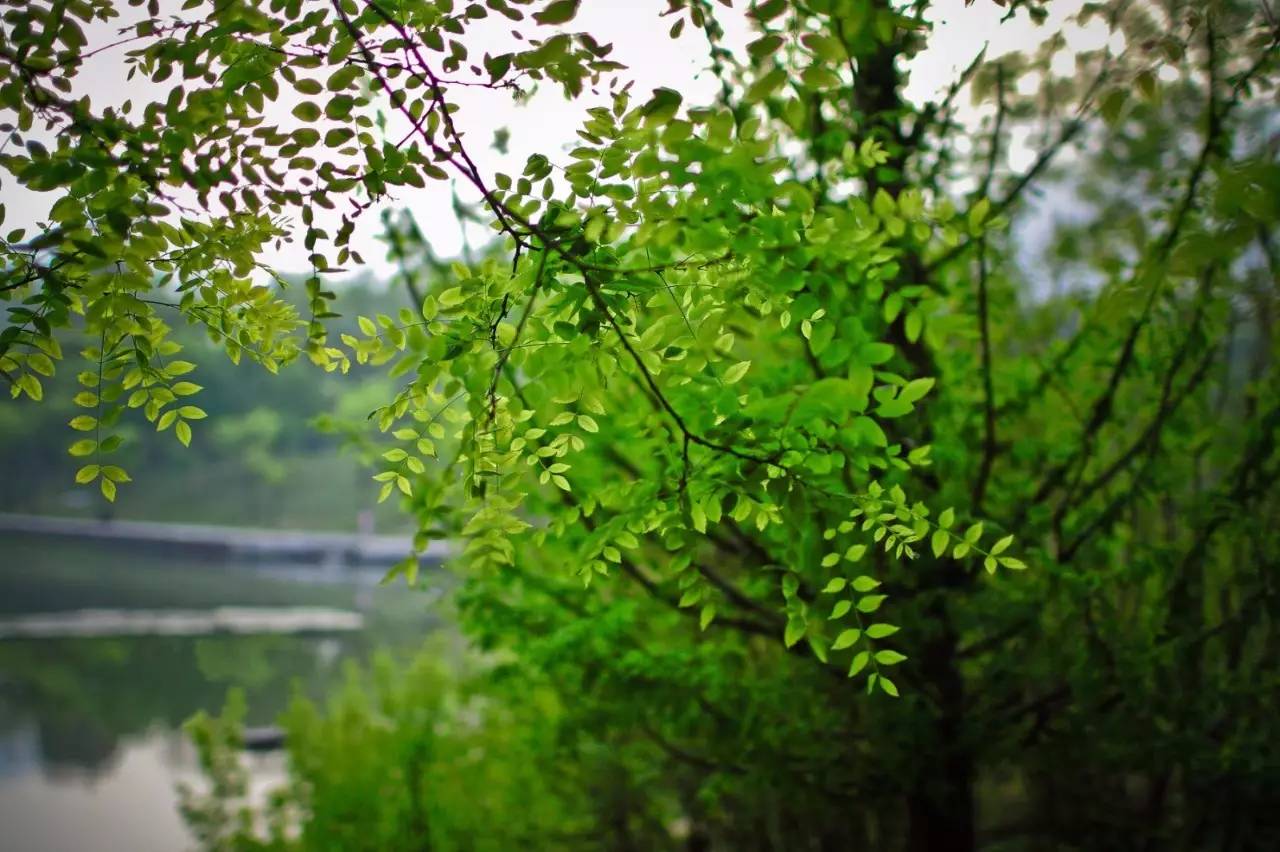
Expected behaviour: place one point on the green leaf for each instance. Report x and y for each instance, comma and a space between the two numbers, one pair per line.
913, 325
875, 353
768, 10
31, 385
916, 389
938, 543
83, 447
339, 107
794, 632
87, 474
880, 631
342, 78
846, 639
558, 12
889, 657
871, 603
835, 586
888, 686
764, 46
115, 474
859, 663
1113, 104
819, 647
840, 610
736, 372
306, 111
882, 204
1001, 546
870, 432
663, 104
1146, 81
978, 215
401, 567
894, 408
865, 583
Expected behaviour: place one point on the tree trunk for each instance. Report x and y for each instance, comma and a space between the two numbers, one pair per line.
940, 807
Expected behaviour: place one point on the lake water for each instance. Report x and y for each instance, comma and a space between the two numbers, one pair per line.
91, 748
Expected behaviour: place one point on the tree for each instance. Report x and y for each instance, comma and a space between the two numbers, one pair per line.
766, 376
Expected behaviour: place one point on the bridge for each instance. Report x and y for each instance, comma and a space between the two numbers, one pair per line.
178, 622
328, 550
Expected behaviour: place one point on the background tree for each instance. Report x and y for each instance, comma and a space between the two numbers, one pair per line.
769, 378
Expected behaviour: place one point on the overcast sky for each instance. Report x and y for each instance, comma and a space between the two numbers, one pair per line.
546, 123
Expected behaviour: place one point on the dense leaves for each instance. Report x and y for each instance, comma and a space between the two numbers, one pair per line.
767, 375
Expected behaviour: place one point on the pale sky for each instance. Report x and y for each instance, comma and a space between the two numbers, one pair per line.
546, 123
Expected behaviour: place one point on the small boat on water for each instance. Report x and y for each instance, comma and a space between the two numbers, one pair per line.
266, 738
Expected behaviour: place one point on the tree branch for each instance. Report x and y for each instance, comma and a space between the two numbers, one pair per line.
1101, 409
989, 446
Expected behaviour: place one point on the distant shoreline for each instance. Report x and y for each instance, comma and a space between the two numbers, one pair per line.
236, 620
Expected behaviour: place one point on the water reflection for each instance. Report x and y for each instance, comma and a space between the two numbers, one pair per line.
132, 807
91, 748
85, 695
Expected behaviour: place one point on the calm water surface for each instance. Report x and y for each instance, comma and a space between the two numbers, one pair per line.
91, 749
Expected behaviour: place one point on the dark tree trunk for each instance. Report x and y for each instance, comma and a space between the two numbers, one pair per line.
940, 807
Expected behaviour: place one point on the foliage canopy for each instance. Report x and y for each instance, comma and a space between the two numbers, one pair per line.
767, 375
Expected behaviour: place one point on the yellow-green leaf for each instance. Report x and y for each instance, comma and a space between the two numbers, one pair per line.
737, 371
846, 639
